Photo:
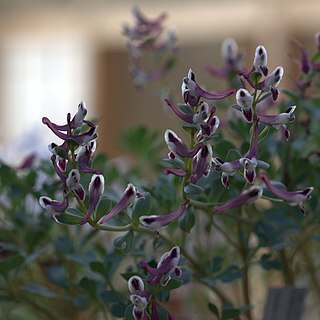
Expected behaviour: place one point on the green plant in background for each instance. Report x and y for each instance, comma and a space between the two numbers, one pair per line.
229, 206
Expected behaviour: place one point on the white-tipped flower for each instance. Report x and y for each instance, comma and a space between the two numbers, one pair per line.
135, 284
244, 98
80, 115
260, 57
229, 50
201, 114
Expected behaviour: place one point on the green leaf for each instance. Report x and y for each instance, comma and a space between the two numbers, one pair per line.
118, 310
111, 296
173, 284
316, 57
190, 129
237, 107
217, 264
187, 220
264, 133
213, 308
99, 267
193, 189
230, 314
230, 274
141, 207
268, 263
11, 263
39, 289
103, 207
185, 108
174, 163
255, 77
71, 216
125, 242
128, 312
90, 286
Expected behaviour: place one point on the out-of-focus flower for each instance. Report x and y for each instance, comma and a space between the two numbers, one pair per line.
260, 60
168, 264
247, 196
127, 199
293, 198
159, 221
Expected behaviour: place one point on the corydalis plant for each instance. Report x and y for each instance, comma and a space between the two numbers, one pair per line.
145, 38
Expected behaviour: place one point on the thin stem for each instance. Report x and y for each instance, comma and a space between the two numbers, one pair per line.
286, 269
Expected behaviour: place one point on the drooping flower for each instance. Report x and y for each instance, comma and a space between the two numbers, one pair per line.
192, 92
247, 196
210, 126
227, 169
183, 116
96, 188
177, 147
245, 100
83, 158
159, 221
53, 206
272, 81
168, 263
127, 199
293, 198
202, 163
279, 120
73, 183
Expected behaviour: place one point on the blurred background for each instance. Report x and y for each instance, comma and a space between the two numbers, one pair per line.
55, 53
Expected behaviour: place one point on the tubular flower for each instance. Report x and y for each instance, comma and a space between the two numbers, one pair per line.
159, 221
192, 92
183, 116
245, 100
248, 196
96, 188
202, 113
176, 146
53, 206
202, 163
260, 60
174, 171
210, 126
272, 81
279, 121
293, 198
168, 263
83, 157
232, 57
127, 199
227, 169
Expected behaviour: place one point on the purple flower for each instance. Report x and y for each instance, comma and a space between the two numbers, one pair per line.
176, 146
135, 283
192, 92
84, 155
279, 120
227, 169
167, 264
260, 60
202, 163
245, 100
293, 198
232, 57
53, 206
248, 196
127, 199
272, 81
183, 116
174, 171
96, 188
73, 183
159, 221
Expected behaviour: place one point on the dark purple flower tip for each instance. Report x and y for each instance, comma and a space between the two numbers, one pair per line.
135, 283
248, 196
260, 57
202, 163
61, 175
247, 115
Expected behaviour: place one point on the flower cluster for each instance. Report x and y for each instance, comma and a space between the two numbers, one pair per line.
144, 301
146, 37
71, 160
